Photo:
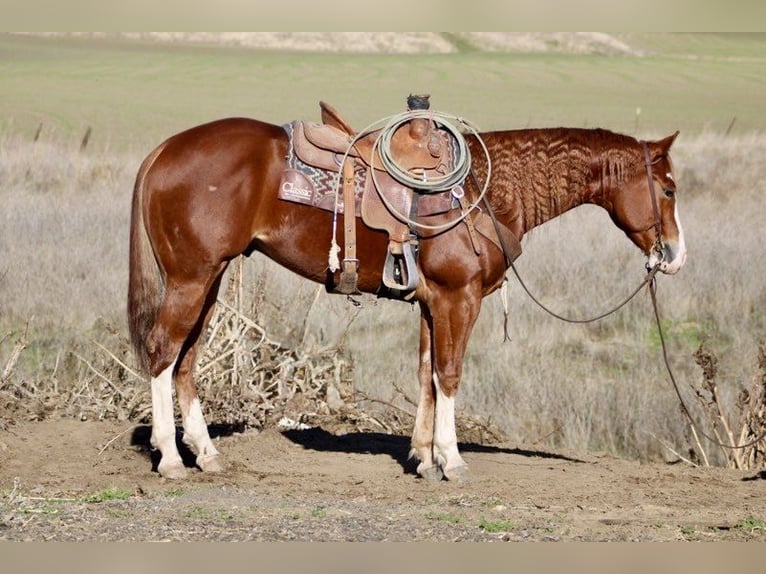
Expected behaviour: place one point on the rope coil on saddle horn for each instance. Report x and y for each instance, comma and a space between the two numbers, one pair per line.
436, 183
447, 182
382, 145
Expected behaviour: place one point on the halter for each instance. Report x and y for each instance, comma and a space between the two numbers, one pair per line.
657, 247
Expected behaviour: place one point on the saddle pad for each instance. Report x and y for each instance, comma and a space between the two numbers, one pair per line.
315, 183
315, 186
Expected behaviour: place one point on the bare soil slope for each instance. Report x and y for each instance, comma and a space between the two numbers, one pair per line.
93, 481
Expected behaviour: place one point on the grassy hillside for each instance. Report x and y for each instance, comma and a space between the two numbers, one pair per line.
135, 93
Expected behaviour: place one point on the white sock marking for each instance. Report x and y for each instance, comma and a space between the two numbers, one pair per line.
163, 424
445, 436
195, 430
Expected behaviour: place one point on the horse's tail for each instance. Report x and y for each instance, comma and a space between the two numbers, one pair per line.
145, 282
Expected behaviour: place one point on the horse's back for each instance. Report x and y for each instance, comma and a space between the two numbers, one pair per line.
227, 137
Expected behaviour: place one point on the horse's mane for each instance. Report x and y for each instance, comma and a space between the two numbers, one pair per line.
542, 171
618, 156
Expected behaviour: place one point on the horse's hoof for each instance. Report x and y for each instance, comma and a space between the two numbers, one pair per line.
431, 473
210, 463
458, 474
174, 470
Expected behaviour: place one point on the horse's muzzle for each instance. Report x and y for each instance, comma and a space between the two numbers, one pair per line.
670, 258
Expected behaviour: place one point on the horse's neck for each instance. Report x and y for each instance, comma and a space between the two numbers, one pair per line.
539, 174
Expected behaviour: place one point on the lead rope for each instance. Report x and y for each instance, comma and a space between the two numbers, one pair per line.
509, 264
653, 291
647, 280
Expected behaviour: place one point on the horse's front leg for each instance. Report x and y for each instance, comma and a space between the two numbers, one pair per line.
453, 315
423, 433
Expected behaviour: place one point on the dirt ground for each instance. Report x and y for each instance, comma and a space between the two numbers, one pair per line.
67, 480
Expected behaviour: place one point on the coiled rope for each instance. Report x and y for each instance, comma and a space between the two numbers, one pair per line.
421, 182
449, 181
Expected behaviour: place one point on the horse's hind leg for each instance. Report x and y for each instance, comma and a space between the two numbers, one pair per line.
196, 434
179, 315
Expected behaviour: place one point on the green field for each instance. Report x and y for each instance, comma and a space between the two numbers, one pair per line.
134, 94
64, 219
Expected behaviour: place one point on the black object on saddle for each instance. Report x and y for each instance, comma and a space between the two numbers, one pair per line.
418, 102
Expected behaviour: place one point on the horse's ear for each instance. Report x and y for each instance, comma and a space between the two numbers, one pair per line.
661, 148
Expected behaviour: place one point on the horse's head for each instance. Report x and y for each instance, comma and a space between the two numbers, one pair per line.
644, 207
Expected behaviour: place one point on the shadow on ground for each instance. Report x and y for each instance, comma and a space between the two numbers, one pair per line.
141, 439
318, 439
395, 446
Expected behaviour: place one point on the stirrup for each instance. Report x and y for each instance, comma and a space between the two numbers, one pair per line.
400, 271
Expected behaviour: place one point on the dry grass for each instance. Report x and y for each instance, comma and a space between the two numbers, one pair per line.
741, 445
63, 346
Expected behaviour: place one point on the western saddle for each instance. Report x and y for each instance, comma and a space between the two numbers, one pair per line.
418, 146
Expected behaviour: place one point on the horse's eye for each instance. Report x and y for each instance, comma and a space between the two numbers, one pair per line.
669, 193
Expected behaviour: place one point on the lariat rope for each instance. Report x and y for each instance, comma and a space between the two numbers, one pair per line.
449, 181
419, 181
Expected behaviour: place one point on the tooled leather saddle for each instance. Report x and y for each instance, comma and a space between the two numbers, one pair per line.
316, 166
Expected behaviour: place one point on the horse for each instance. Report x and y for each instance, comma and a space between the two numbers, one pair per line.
208, 194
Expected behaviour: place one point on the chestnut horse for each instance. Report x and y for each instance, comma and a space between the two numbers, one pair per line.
209, 194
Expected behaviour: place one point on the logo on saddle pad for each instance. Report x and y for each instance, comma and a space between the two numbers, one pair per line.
311, 187
296, 187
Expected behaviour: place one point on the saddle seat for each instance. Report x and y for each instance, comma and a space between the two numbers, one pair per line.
416, 145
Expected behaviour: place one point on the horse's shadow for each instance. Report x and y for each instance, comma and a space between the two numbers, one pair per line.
316, 438
395, 446
141, 441
757, 476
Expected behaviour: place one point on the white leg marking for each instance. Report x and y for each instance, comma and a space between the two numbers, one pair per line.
424, 454
445, 436
197, 437
163, 425
195, 430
